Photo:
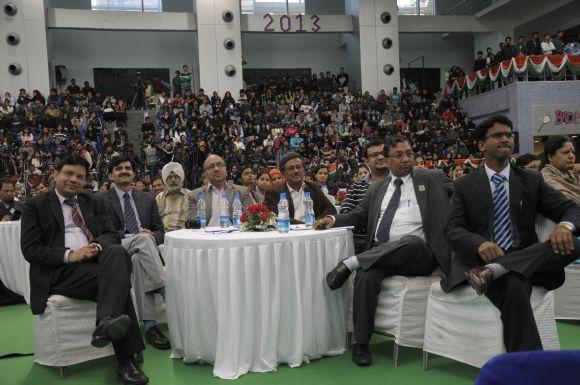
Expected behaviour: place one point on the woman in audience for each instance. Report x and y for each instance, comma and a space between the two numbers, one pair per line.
247, 177
560, 170
276, 178
529, 162
258, 191
321, 179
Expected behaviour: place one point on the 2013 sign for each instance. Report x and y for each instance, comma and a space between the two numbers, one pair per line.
285, 23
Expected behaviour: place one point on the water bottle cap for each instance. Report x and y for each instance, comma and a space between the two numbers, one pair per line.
307, 193
324, 186
282, 195
236, 196
224, 196
201, 196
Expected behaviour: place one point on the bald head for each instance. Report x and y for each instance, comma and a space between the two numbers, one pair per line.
215, 170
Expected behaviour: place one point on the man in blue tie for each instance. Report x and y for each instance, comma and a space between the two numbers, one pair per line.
136, 218
491, 228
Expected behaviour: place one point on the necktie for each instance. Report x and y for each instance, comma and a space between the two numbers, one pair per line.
502, 235
130, 218
78, 220
389, 214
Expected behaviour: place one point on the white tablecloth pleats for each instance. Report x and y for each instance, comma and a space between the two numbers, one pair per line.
250, 301
13, 267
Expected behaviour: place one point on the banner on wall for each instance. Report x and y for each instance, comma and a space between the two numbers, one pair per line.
558, 119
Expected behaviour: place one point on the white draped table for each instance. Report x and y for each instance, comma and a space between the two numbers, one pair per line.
13, 266
249, 301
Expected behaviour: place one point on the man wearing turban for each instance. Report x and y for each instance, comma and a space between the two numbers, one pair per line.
173, 202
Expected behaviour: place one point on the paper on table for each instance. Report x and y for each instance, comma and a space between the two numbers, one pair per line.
299, 228
217, 230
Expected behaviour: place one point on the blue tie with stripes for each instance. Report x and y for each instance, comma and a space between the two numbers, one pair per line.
502, 234
131, 226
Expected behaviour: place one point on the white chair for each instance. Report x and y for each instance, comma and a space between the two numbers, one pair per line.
401, 308
567, 297
62, 334
467, 328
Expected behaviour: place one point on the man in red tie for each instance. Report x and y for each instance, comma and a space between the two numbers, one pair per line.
74, 251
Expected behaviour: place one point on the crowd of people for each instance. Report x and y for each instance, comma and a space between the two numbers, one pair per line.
557, 44
328, 124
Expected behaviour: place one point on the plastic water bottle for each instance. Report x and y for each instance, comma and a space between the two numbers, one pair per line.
308, 210
324, 189
283, 220
201, 211
224, 212
237, 211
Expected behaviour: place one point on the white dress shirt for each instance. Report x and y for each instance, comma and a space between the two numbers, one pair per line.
216, 204
74, 237
298, 202
407, 219
121, 194
505, 173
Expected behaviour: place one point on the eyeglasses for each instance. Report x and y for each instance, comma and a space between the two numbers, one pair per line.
215, 165
499, 135
400, 155
70, 174
375, 154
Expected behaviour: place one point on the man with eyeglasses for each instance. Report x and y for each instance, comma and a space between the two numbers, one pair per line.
379, 170
215, 170
292, 168
491, 228
405, 215
74, 251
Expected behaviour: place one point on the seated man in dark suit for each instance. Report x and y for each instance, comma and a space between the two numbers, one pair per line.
292, 168
136, 218
405, 215
74, 251
491, 228
10, 208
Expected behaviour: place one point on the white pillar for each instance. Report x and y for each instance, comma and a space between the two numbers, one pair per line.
373, 29
213, 57
29, 55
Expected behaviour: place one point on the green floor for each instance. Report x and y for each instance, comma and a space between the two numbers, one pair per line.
16, 336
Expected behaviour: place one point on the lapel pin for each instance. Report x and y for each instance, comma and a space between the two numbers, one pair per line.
421, 187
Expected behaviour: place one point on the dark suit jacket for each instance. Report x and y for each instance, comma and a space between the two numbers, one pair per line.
432, 189
470, 220
146, 209
322, 206
42, 239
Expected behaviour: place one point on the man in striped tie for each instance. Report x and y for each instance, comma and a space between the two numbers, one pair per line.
491, 228
136, 218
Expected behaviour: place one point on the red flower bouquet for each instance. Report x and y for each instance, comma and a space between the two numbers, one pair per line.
258, 218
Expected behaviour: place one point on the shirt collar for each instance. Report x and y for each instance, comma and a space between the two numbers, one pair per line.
292, 190
505, 172
405, 178
211, 187
61, 198
121, 193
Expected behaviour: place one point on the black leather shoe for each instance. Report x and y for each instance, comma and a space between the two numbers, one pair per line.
338, 276
361, 354
129, 373
109, 329
154, 337
479, 278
